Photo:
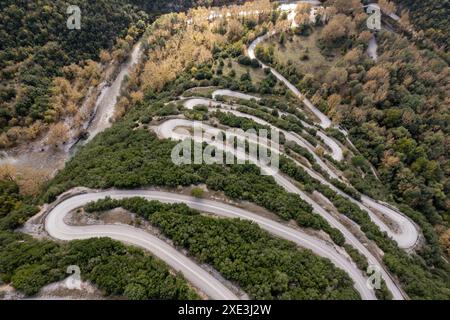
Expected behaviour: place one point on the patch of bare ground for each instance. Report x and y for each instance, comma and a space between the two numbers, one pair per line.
65, 290
388, 221
7, 292
80, 217
200, 92
61, 290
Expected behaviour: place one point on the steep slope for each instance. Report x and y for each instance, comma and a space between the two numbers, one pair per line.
36, 45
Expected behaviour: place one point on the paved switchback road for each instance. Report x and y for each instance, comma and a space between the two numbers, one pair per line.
57, 228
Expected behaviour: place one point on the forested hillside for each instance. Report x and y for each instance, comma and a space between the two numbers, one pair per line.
129, 156
36, 45
432, 17
394, 108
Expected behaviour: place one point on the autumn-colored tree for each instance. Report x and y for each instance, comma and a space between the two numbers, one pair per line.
328, 13
303, 14
121, 108
29, 180
7, 172
105, 57
302, 18
136, 96
358, 115
405, 21
377, 84
189, 43
58, 134
364, 37
353, 56
334, 101
347, 6
337, 76
338, 27
445, 240
320, 151
388, 7
235, 30
33, 131
14, 134
4, 141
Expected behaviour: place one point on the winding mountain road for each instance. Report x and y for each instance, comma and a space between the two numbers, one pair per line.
336, 150
57, 228
405, 235
408, 234
325, 122
176, 129
199, 277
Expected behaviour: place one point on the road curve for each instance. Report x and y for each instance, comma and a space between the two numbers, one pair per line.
234, 94
57, 228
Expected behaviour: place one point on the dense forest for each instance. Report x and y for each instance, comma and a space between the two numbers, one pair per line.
431, 16
37, 47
